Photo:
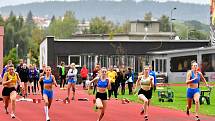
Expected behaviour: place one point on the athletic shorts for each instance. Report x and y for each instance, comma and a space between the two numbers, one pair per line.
24, 80
84, 78
63, 77
7, 90
102, 96
31, 80
191, 92
147, 94
49, 93
71, 81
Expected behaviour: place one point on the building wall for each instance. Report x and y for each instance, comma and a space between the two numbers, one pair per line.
1, 47
43, 53
108, 49
149, 37
140, 27
181, 76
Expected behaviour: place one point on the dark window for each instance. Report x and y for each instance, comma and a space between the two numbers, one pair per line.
62, 59
161, 65
164, 65
181, 64
208, 62
76, 60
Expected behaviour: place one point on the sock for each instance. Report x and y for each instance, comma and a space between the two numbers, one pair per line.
46, 112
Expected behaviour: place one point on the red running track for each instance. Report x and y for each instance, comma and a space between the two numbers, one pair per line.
83, 111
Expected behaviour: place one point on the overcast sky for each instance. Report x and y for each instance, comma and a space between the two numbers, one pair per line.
15, 2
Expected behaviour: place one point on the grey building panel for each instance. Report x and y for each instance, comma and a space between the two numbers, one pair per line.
107, 48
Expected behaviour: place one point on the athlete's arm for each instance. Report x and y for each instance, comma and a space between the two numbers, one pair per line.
19, 80
41, 78
5, 81
203, 79
188, 80
54, 81
137, 84
94, 80
109, 85
152, 81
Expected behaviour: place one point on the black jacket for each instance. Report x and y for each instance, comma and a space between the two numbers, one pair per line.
24, 73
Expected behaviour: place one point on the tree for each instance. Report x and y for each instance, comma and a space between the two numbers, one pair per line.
29, 19
148, 16
126, 26
53, 18
164, 24
37, 36
64, 28
11, 56
1, 21
11, 14
99, 25
197, 35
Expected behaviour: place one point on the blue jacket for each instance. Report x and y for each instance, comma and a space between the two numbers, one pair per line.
4, 70
152, 73
130, 74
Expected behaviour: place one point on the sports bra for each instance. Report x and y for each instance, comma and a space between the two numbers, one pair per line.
144, 81
193, 76
47, 81
102, 84
13, 77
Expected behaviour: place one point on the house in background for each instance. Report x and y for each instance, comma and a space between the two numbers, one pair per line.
139, 30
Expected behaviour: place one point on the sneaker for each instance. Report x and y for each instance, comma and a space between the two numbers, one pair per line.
73, 98
188, 112
142, 111
48, 119
5, 110
197, 118
146, 118
12, 115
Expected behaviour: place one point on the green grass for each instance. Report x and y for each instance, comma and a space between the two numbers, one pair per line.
179, 101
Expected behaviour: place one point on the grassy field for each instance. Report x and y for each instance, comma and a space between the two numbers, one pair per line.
179, 102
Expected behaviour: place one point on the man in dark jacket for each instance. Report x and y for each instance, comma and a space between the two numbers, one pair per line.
24, 76
62, 73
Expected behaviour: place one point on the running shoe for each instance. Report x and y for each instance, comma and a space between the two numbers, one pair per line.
197, 118
5, 110
146, 118
142, 111
188, 112
12, 115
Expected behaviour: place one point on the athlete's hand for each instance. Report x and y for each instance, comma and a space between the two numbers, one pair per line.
9, 80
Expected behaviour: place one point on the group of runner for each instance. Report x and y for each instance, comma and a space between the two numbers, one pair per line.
103, 79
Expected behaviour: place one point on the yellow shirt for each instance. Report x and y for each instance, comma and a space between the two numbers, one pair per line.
112, 76
13, 78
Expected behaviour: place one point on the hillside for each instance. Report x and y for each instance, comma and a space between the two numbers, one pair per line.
116, 11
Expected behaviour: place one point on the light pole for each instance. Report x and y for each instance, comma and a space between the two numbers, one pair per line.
17, 49
171, 19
